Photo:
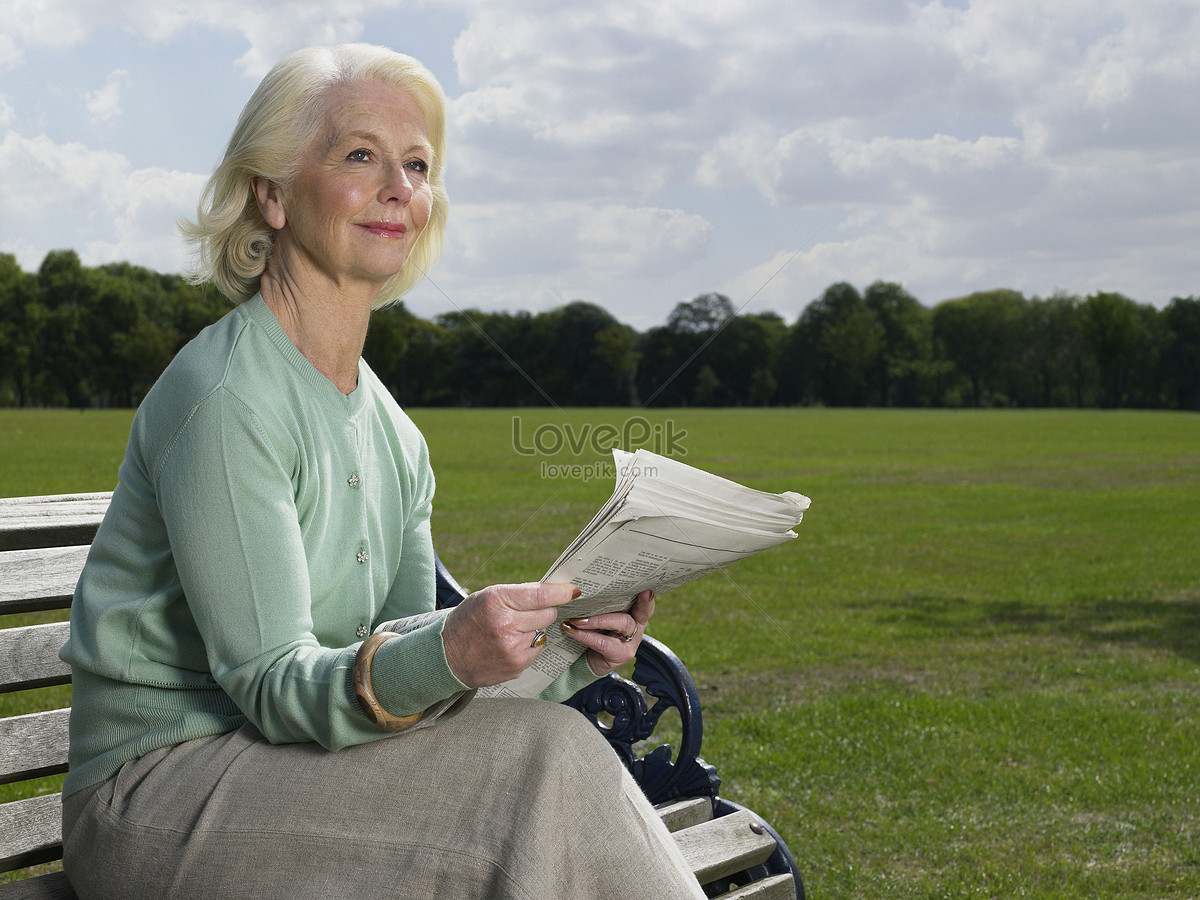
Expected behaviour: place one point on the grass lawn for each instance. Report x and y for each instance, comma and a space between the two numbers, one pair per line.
975, 673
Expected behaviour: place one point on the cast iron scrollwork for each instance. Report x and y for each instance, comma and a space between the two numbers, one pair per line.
664, 678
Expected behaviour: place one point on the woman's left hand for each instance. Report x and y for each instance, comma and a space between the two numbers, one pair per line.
612, 639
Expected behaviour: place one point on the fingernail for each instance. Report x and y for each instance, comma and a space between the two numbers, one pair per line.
575, 623
576, 594
567, 626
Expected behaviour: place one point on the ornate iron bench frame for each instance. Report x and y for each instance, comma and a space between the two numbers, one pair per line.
43, 542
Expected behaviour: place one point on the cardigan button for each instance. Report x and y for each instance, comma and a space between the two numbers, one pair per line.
362, 630
362, 556
353, 480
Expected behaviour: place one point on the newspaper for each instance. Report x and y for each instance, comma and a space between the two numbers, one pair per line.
666, 523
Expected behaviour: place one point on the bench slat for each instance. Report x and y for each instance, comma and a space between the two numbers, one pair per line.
29, 656
52, 521
39, 579
714, 849
33, 745
724, 846
30, 831
53, 886
680, 814
773, 887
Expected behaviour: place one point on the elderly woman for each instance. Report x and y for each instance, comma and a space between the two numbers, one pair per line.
241, 711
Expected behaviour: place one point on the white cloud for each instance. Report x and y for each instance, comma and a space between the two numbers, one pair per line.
145, 212
40, 179
69, 195
271, 30
541, 255
583, 242
1072, 227
640, 241
1089, 72
104, 104
8, 115
31, 23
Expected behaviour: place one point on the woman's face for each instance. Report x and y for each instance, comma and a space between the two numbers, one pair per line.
361, 195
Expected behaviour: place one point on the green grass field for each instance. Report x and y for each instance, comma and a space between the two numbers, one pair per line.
975, 673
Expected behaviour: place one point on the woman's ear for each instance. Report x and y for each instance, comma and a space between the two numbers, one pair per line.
270, 204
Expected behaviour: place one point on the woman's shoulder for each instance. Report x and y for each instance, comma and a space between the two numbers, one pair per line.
198, 369
229, 368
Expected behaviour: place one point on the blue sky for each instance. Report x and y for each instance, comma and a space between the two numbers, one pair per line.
639, 153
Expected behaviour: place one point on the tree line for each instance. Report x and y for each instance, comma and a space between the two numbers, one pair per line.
79, 336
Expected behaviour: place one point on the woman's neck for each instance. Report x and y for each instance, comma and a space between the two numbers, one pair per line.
328, 330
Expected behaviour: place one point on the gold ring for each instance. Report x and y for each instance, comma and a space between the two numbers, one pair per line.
628, 637
539, 638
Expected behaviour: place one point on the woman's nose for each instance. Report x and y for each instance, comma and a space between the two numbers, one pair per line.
397, 185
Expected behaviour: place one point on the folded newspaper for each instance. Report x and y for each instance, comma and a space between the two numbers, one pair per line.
666, 524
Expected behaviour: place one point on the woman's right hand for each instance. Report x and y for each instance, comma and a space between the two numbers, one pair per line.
489, 637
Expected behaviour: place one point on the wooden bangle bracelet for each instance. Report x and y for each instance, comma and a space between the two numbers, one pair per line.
366, 696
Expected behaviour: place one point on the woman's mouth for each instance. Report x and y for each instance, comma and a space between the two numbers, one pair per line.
384, 229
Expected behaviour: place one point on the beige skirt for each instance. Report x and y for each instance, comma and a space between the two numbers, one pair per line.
520, 799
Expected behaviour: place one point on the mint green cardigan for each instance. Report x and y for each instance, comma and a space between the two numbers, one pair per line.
262, 525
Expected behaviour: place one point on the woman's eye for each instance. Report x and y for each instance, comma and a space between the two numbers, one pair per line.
360, 155
418, 165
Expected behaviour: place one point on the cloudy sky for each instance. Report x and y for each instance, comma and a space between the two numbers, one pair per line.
639, 153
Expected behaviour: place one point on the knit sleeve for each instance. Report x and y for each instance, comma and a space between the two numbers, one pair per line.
226, 495
576, 678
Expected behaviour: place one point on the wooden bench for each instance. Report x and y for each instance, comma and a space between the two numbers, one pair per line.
43, 544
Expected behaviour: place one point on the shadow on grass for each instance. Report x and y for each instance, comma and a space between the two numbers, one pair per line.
1160, 624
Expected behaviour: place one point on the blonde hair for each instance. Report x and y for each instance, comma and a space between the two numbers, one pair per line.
231, 240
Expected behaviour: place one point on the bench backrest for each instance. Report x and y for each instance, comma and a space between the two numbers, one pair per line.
43, 545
